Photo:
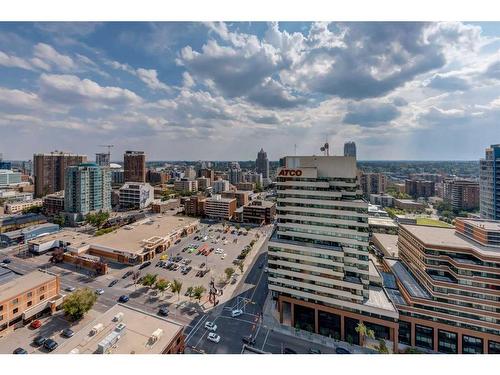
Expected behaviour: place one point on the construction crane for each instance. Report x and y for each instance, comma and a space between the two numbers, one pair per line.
109, 148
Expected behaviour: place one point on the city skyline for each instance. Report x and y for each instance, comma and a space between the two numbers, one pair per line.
172, 89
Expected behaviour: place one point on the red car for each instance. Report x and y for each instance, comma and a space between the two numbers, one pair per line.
36, 324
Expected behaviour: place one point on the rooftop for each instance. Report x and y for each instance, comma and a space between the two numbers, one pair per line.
407, 279
130, 238
382, 221
23, 283
488, 225
379, 299
448, 238
63, 235
388, 243
137, 339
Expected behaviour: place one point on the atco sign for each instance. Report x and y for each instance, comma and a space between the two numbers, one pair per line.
290, 172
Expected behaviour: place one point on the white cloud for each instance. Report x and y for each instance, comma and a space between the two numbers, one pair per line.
11, 61
150, 78
50, 56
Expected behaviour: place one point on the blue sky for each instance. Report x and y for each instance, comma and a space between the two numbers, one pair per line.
224, 90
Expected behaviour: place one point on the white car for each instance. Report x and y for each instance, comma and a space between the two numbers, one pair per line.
99, 291
213, 337
223, 256
211, 326
266, 270
236, 312
219, 251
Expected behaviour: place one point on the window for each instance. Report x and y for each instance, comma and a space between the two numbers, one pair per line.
493, 347
1, 318
472, 345
30, 303
1, 307
29, 295
447, 342
41, 289
15, 310
404, 333
424, 337
15, 301
42, 297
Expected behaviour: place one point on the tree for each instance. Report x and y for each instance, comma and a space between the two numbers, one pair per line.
237, 226
176, 287
247, 229
59, 220
189, 291
149, 279
258, 188
161, 285
229, 271
135, 277
198, 292
97, 219
240, 266
364, 332
33, 209
382, 347
78, 303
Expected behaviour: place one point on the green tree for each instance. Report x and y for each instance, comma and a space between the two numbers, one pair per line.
149, 279
97, 219
161, 285
237, 226
382, 347
198, 292
78, 303
59, 220
176, 287
33, 210
364, 332
241, 266
258, 188
189, 291
229, 271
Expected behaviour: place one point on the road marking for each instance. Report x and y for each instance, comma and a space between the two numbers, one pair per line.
196, 327
265, 340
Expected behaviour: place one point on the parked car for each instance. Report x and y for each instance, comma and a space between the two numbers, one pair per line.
127, 274
211, 326
20, 351
340, 350
314, 351
70, 289
50, 345
36, 324
113, 283
236, 312
202, 265
6, 261
39, 340
248, 340
123, 298
144, 265
223, 256
99, 291
67, 333
163, 311
178, 241
198, 274
213, 337
289, 351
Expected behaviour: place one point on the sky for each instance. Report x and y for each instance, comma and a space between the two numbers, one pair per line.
223, 91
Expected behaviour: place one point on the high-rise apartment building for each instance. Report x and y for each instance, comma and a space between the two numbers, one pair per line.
49, 170
87, 189
489, 184
320, 274
462, 194
102, 159
235, 174
219, 186
262, 164
134, 165
372, 183
208, 173
350, 149
420, 188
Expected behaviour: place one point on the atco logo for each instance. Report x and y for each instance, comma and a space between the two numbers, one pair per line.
290, 172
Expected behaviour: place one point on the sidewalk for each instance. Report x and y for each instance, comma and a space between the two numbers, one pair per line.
271, 321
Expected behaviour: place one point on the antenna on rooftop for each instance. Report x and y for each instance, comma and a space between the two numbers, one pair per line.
295, 149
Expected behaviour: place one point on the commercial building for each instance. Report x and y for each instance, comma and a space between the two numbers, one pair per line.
117, 174
137, 242
9, 223
242, 197
190, 173
208, 173
220, 208
87, 189
156, 177
372, 183
134, 165
126, 330
408, 205
434, 177
160, 207
53, 204
9, 178
195, 205
186, 185
320, 274
420, 188
262, 164
102, 159
26, 297
450, 281
249, 186
382, 225
235, 174
15, 196
49, 171
17, 207
489, 182
219, 186
383, 200
203, 183
136, 196
26, 234
350, 149
259, 212
254, 177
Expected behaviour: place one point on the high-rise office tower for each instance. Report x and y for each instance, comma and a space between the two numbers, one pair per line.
350, 149
134, 165
489, 184
87, 188
235, 174
320, 274
49, 169
262, 164
102, 159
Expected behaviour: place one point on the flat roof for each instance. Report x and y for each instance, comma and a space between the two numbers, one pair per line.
23, 283
388, 243
483, 224
379, 299
407, 279
129, 238
63, 235
382, 221
449, 238
139, 327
